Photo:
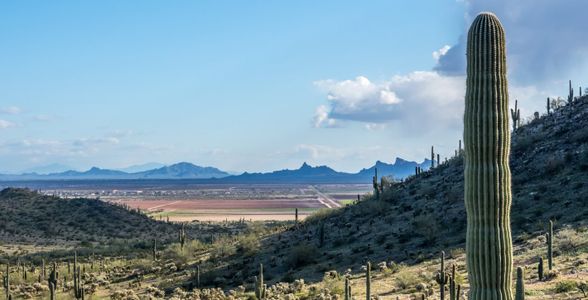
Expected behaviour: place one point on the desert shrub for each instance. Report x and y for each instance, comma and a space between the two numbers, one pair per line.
426, 226
406, 279
565, 286
568, 241
321, 214
334, 283
248, 244
222, 247
302, 255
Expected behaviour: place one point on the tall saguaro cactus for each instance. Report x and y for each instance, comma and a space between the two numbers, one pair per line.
487, 172
6, 282
368, 281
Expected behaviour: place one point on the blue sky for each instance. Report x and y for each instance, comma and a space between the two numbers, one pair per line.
242, 85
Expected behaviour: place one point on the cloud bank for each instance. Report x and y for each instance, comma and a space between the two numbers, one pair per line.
422, 99
546, 40
546, 47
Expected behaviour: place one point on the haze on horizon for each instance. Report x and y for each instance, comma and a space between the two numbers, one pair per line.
260, 86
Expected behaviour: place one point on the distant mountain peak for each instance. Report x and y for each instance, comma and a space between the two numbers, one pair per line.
305, 166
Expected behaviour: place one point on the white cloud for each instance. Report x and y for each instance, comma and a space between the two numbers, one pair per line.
11, 110
321, 118
437, 54
420, 100
6, 124
544, 42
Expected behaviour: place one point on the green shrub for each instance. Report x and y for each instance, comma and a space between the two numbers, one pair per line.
302, 255
565, 286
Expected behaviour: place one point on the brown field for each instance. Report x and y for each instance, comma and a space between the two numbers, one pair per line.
192, 204
221, 209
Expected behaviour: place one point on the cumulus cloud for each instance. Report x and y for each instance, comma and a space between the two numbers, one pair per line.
443, 51
544, 39
322, 119
420, 99
5, 124
11, 110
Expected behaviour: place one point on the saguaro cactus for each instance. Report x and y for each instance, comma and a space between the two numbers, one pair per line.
154, 250
52, 281
571, 94
368, 281
198, 276
520, 289
550, 246
296, 215
182, 237
540, 269
548, 106
441, 277
432, 157
375, 184
259, 286
487, 177
6, 282
347, 289
516, 116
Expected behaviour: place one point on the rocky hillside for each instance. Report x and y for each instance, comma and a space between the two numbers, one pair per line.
425, 214
30, 218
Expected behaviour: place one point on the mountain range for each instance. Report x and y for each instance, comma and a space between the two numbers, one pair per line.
305, 174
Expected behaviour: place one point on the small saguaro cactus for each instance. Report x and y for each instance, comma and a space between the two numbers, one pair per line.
550, 246
548, 106
571, 94
198, 276
52, 281
452, 286
580, 92
438, 159
375, 184
540, 272
6, 282
77, 278
487, 178
432, 157
182, 236
520, 287
516, 116
154, 250
347, 289
259, 285
296, 215
368, 281
441, 277
43, 271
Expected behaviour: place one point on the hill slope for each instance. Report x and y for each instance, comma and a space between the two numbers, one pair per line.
425, 214
28, 217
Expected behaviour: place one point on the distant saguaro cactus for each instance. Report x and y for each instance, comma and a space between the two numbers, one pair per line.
52, 281
550, 246
516, 116
6, 282
432, 157
540, 273
347, 289
570, 94
259, 285
182, 236
368, 281
487, 178
375, 184
548, 106
520, 287
441, 277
